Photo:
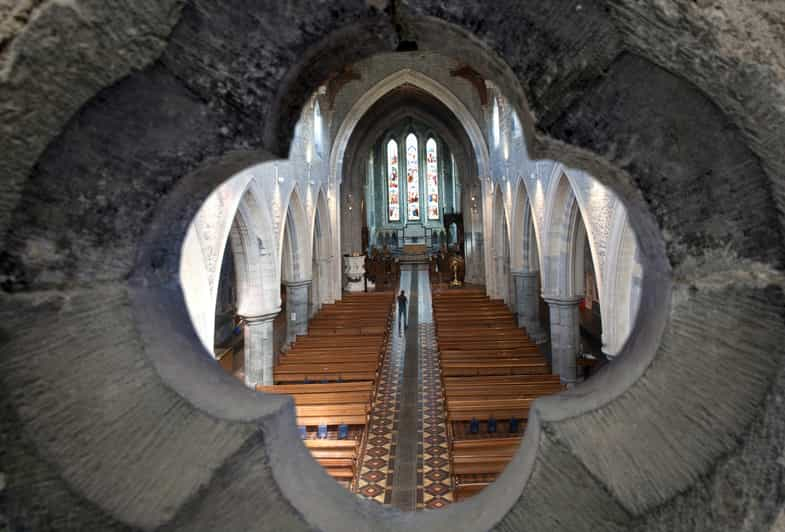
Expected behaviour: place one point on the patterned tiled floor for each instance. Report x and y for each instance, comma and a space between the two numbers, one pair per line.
435, 459
434, 462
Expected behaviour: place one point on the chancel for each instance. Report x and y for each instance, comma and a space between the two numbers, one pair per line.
392, 266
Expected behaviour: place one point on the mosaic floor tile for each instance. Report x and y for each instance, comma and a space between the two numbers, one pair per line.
435, 458
376, 464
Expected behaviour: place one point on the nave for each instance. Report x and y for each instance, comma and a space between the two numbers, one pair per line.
415, 414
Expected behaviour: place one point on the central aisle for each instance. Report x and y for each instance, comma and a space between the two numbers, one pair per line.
404, 494
406, 459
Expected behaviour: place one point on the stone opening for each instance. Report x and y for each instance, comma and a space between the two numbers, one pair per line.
96, 262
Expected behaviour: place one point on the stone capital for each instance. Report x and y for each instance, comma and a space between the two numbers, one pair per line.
563, 301
298, 284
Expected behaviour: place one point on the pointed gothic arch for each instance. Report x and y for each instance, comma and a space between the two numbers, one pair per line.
294, 241
422, 81
501, 249
322, 254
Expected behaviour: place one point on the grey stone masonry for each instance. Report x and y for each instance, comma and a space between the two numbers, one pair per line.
527, 305
565, 336
297, 308
259, 350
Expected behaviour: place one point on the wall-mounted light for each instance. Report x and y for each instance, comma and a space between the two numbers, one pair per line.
281, 179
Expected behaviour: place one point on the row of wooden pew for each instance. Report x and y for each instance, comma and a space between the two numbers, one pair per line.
491, 374
332, 375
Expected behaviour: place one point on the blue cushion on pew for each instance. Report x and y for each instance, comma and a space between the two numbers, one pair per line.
343, 431
491, 425
514, 424
474, 426
322, 431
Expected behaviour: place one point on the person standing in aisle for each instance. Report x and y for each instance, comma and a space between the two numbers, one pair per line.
402, 315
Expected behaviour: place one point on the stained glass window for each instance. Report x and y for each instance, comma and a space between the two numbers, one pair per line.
412, 178
393, 183
432, 175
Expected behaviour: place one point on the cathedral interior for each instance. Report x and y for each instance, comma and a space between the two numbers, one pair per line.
392, 265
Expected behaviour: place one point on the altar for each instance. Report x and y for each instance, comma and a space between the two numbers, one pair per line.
415, 249
413, 234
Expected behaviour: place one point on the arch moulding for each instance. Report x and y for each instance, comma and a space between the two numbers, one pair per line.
418, 79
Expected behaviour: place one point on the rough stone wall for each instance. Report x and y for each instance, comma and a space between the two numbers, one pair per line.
121, 421
733, 51
79, 48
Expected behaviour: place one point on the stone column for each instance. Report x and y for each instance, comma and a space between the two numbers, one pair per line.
498, 268
565, 336
326, 281
527, 305
320, 281
259, 350
297, 308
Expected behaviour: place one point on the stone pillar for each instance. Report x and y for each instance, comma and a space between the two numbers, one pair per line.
527, 305
258, 350
297, 308
321, 278
498, 268
565, 336
325, 281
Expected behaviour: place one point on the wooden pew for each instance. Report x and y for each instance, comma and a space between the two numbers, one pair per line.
346, 341
470, 457
317, 376
332, 415
490, 368
466, 409
502, 379
338, 457
334, 387
494, 367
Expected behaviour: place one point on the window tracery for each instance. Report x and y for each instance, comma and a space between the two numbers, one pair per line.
432, 177
393, 183
412, 178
